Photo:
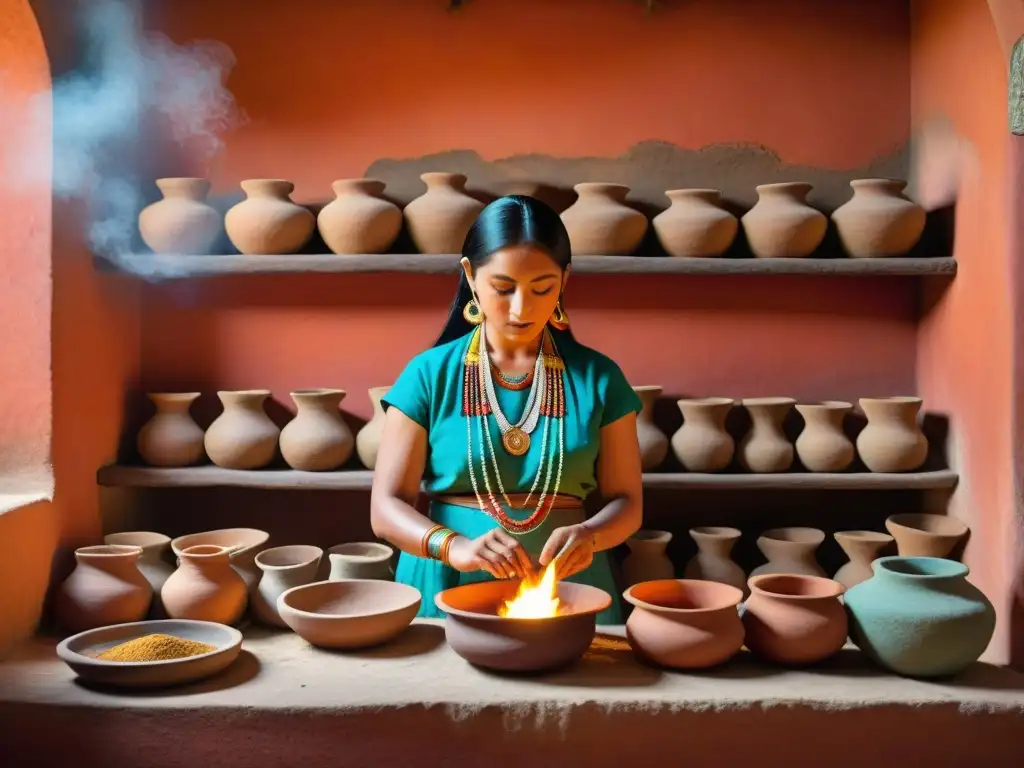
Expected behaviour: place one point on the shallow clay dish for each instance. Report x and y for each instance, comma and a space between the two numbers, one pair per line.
80, 651
240, 540
349, 613
478, 634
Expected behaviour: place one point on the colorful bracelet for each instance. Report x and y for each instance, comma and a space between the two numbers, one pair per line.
437, 540
445, 546
424, 552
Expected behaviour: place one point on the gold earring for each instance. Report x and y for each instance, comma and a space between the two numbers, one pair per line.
472, 313
559, 318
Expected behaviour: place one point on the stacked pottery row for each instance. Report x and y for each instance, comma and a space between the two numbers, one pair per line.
892, 440
878, 220
243, 436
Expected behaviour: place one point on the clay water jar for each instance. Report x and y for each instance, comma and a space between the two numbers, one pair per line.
601, 223
359, 219
243, 436
713, 561
243, 544
879, 220
647, 559
361, 560
822, 445
182, 222
862, 548
439, 219
368, 438
267, 221
923, 535
205, 587
653, 442
684, 624
106, 587
152, 562
781, 224
790, 550
892, 441
695, 224
793, 619
317, 439
765, 448
702, 444
282, 568
171, 438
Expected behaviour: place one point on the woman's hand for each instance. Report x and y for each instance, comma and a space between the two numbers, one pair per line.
575, 543
496, 552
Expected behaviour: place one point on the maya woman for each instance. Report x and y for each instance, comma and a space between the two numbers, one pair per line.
509, 423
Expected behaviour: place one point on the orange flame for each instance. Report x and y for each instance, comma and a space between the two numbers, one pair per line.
534, 600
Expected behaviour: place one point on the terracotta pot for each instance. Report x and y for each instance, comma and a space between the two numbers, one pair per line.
359, 219
106, 587
243, 436
781, 224
182, 222
267, 221
862, 548
205, 587
601, 223
647, 559
790, 550
684, 624
361, 560
765, 448
919, 616
171, 438
921, 535
702, 444
243, 544
368, 438
653, 442
152, 563
695, 224
317, 439
879, 220
713, 561
283, 568
793, 619
822, 444
440, 218
892, 441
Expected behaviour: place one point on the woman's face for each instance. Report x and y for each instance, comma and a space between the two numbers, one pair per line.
517, 290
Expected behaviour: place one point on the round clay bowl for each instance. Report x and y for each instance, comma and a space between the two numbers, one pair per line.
350, 613
239, 540
478, 634
923, 535
684, 623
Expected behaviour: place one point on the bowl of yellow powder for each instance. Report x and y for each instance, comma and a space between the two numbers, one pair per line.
151, 653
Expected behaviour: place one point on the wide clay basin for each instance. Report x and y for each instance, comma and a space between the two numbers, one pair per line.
478, 634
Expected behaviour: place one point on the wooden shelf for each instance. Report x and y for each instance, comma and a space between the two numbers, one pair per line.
210, 476
157, 268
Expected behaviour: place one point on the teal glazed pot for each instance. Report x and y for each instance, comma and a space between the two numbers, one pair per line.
919, 616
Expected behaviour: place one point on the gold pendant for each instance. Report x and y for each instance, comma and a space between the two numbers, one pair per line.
516, 441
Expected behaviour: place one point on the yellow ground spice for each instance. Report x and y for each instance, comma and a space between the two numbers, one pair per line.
156, 647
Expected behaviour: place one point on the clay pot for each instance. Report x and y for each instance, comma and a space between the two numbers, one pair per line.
790, 550
702, 444
243, 436
892, 441
765, 448
601, 223
267, 221
361, 560
205, 587
653, 442
106, 587
862, 547
878, 220
781, 224
791, 619
359, 220
684, 624
440, 218
647, 560
822, 444
695, 224
171, 438
182, 222
368, 438
243, 544
919, 616
152, 562
713, 561
283, 568
317, 439
921, 535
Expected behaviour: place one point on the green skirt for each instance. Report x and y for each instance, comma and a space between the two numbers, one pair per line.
432, 576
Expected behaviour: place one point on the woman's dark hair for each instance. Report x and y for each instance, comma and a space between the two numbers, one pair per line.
508, 221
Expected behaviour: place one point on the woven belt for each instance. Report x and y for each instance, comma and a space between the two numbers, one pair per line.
559, 501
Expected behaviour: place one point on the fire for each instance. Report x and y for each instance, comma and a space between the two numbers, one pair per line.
536, 600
